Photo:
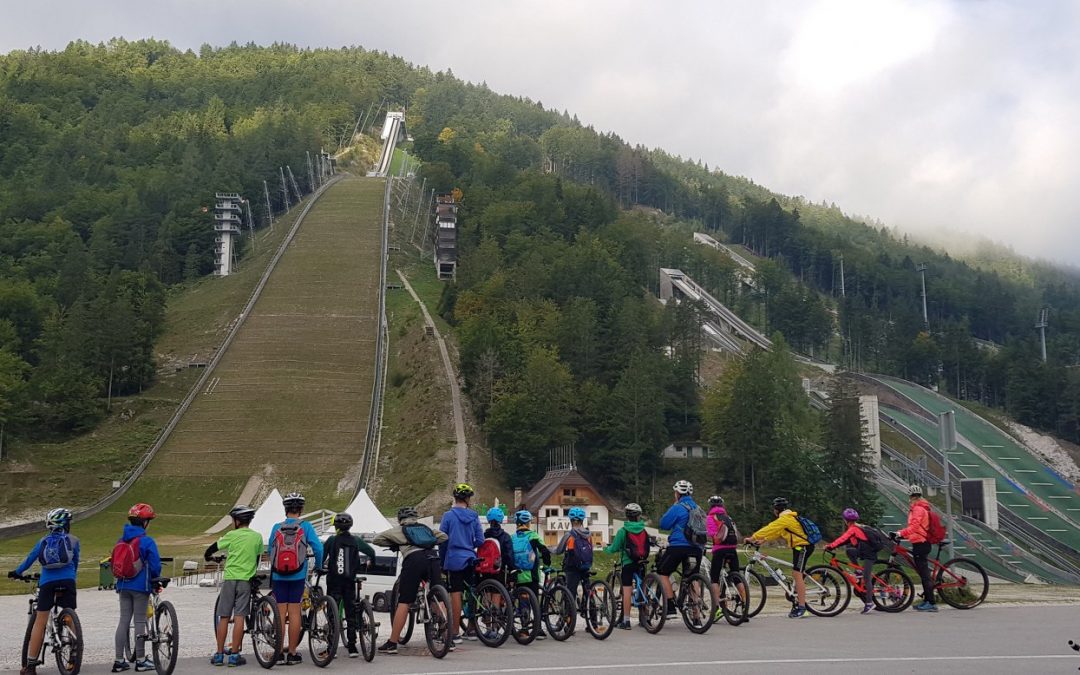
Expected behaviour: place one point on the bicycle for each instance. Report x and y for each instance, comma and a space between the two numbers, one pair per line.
319, 620
63, 633
525, 613
893, 590
432, 608
694, 598
961, 582
557, 607
486, 611
824, 585
733, 600
361, 619
651, 606
262, 622
596, 604
162, 630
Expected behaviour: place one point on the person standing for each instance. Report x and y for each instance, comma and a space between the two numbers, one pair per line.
288, 549
135, 561
342, 563
918, 533
463, 534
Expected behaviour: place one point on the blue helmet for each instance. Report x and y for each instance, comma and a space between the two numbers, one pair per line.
576, 513
495, 515
523, 517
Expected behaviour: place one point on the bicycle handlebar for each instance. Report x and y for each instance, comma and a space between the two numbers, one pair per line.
28, 578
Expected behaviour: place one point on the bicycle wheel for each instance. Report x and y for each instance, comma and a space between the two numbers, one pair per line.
437, 628
893, 590
962, 583
526, 615
614, 582
756, 592
652, 614
696, 603
166, 640
732, 602
366, 629
129, 650
69, 651
559, 612
827, 591
599, 610
266, 631
26, 642
324, 627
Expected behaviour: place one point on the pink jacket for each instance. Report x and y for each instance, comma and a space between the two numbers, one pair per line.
717, 530
918, 522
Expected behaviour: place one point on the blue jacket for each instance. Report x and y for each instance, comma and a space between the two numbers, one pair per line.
463, 535
313, 542
675, 520
48, 576
148, 551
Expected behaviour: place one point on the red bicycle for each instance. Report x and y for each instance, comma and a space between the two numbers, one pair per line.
961, 582
893, 590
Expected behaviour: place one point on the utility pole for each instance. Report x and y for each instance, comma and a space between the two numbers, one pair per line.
1044, 314
921, 269
269, 211
842, 294
310, 173
284, 189
251, 223
947, 432
296, 189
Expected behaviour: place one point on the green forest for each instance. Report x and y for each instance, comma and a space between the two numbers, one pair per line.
112, 151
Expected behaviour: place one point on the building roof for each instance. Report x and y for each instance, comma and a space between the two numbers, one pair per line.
554, 479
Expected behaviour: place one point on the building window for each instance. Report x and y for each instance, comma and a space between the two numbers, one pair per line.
551, 513
593, 517
569, 492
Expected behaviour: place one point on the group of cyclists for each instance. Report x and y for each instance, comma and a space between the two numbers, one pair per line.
454, 555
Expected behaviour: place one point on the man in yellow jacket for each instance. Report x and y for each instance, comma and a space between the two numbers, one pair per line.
788, 528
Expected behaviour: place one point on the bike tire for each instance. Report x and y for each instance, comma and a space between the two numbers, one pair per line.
526, 615
437, 628
756, 592
69, 635
653, 613
410, 619
493, 619
559, 612
324, 629
367, 631
266, 630
973, 584
827, 591
733, 604
600, 610
697, 616
614, 581
165, 644
26, 642
893, 590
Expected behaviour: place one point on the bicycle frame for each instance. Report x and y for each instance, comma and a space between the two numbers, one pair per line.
936, 568
759, 558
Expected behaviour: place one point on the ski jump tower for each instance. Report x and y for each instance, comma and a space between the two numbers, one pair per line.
228, 217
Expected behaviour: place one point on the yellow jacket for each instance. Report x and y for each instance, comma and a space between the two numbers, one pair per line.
786, 527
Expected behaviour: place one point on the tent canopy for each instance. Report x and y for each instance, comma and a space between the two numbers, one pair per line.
366, 516
269, 514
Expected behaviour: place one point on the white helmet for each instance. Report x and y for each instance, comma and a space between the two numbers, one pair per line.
683, 487
914, 491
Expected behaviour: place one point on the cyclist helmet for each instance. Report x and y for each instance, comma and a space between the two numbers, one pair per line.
683, 487
633, 511
343, 522
406, 512
463, 491
495, 515
780, 503
293, 501
142, 512
523, 517
242, 513
576, 513
914, 491
851, 515
716, 500
58, 519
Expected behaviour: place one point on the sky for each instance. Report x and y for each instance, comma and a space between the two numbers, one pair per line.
957, 119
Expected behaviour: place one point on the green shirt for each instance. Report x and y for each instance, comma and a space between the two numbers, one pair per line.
244, 546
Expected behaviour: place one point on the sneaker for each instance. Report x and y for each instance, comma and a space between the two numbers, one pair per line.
468, 636
294, 659
389, 648
353, 651
541, 635
926, 606
29, 669
719, 614
797, 612
624, 624
867, 608
119, 666
144, 664
280, 658
217, 659
236, 660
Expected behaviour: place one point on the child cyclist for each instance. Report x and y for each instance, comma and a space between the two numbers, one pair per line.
244, 546
463, 535
135, 561
577, 551
529, 550
341, 559
58, 554
788, 528
724, 538
631, 542
495, 518
288, 547
863, 543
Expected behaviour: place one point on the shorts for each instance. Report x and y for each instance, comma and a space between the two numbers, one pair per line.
288, 592
728, 557
59, 593
233, 598
455, 581
679, 555
626, 575
418, 566
800, 557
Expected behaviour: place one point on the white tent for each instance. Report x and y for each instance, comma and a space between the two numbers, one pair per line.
269, 514
366, 517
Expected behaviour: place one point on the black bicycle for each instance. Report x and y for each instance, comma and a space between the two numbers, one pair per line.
596, 604
262, 622
319, 620
361, 618
558, 609
432, 608
63, 633
693, 597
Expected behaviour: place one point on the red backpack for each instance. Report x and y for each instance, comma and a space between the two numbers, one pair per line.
935, 532
288, 551
126, 560
637, 546
489, 557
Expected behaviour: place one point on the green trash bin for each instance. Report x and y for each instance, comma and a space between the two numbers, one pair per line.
106, 580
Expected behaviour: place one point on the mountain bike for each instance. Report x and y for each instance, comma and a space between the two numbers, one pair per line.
596, 604
63, 633
732, 596
486, 611
361, 618
262, 622
825, 587
525, 613
162, 630
432, 608
557, 607
320, 621
961, 582
693, 597
893, 590
651, 606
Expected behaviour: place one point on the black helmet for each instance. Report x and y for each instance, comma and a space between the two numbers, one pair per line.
242, 513
780, 503
343, 522
407, 512
293, 501
716, 500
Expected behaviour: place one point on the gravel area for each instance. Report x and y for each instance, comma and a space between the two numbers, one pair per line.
1048, 450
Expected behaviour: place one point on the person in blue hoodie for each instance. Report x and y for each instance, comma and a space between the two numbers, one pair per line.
288, 588
58, 555
135, 592
463, 534
680, 549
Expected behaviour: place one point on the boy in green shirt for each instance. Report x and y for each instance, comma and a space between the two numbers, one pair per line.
244, 546
632, 543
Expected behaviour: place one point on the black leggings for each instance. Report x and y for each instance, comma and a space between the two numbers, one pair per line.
345, 592
867, 572
921, 554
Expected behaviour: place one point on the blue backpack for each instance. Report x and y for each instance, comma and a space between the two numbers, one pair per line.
582, 552
524, 553
813, 532
56, 551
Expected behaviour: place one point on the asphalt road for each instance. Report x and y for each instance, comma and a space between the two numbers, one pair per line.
988, 639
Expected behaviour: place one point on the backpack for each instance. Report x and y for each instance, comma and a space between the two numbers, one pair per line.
126, 559
810, 529
524, 553
732, 536
583, 550
288, 551
637, 546
935, 532
877, 539
489, 557
343, 556
419, 535
695, 530
56, 551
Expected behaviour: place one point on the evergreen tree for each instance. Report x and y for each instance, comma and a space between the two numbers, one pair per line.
844, 456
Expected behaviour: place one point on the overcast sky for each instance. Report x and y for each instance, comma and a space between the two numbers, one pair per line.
931, 116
